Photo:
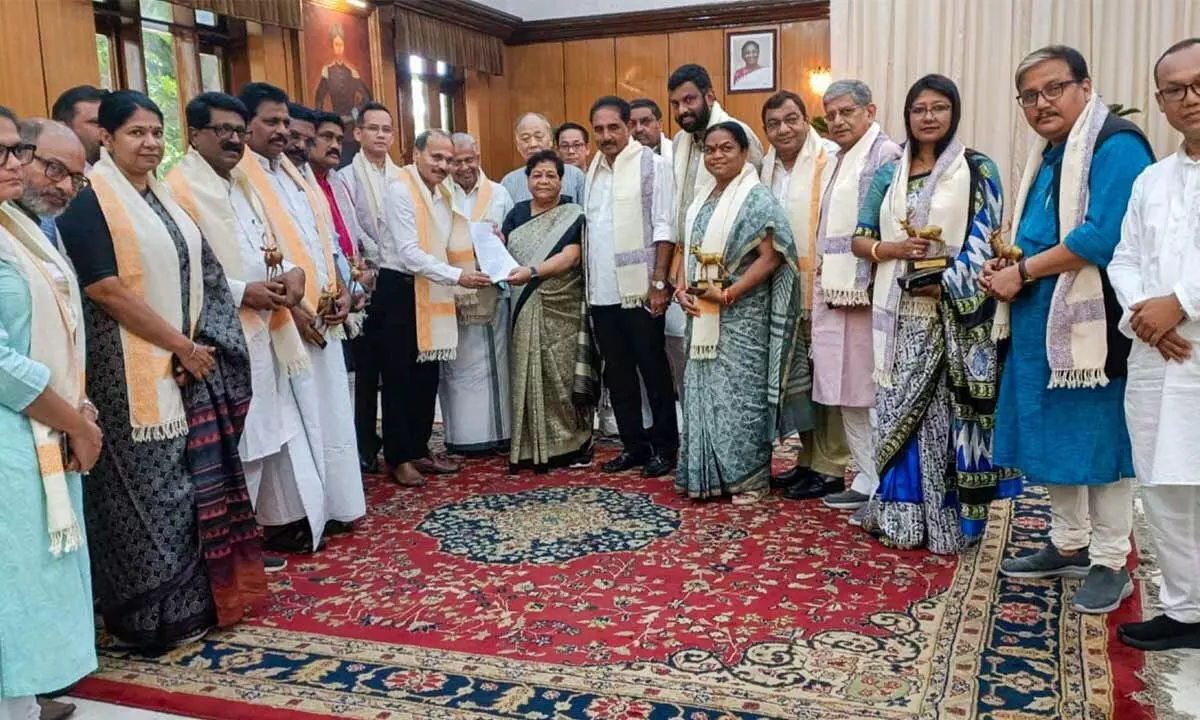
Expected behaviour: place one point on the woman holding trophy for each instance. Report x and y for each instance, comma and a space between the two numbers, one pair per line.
927, 224
747, 379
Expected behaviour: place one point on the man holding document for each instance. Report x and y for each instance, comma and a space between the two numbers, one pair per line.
427, 282
474, 386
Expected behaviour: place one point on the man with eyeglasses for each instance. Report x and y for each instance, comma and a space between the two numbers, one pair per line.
793, 168
1059, 415
278, 462
300, 225
1155, 272
54, 175
571, 140
842, 343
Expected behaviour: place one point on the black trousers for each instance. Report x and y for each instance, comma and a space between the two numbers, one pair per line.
366, 395
409, 387
631, 343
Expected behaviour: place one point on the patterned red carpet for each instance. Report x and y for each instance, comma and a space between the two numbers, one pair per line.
575, 595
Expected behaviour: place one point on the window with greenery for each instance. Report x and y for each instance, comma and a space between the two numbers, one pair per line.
162, 79
104, 58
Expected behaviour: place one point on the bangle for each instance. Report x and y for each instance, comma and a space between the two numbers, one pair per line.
727, 297
875, 251
195, 348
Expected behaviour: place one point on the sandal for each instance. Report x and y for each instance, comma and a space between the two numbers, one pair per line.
749, 497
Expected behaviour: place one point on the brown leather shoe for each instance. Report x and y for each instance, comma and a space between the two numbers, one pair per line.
55, 710
436, 466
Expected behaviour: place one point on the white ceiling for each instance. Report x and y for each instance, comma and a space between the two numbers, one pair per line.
543, 9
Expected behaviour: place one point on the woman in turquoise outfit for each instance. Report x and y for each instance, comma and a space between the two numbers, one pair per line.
47, 637
747, 380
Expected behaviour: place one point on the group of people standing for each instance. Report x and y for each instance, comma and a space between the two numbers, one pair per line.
221, 306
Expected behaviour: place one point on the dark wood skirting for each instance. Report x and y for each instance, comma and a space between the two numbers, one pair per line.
513, 31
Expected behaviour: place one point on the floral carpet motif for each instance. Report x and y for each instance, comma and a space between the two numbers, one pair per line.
579, 595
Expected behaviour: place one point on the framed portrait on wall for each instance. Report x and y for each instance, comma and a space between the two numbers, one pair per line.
338, 59
753, 60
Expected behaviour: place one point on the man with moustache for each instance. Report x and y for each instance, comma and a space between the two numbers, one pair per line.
1160, 299
474, 388
793, 169
427, 272
842, 351
628, 250
696, 109
281, 466
534, 133
1060, 414
79, 109
55, 176
368, 177
571, 140
299, 223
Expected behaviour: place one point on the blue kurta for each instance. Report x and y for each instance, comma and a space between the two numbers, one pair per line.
1066, 436
47, 634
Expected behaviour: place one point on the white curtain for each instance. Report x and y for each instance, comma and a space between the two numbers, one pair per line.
888, 44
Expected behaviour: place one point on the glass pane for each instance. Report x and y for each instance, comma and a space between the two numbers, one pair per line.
420, 110
206, 17
210, 73
447, 125
441, 68
157, 10
104, 57
416, 65
163, 88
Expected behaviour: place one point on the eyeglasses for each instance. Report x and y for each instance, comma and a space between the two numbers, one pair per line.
1176, 93
225, 132
57, 172
921, 110
1051, 92
23, 152
793, 120
572, 147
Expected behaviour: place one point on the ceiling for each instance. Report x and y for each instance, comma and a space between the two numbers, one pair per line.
544, 9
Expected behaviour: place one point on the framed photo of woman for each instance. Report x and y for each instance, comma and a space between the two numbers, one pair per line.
752, 60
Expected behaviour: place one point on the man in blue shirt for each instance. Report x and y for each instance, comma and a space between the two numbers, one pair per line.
1060, 415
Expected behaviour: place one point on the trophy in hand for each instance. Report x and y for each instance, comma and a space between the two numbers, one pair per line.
926, 271
710, 273
1006, 252
273, 257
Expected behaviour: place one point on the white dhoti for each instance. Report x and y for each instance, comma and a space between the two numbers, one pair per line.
474, 388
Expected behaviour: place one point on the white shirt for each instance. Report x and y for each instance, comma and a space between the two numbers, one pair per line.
296, 201
601, 250
465, 201
781, 181
252, 236
400, 247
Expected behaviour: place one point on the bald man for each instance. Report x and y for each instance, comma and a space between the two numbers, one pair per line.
474, 389
56, 174
533, 134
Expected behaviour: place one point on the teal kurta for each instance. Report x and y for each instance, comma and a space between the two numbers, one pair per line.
47, 635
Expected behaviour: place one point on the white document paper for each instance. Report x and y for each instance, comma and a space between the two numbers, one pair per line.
493, 257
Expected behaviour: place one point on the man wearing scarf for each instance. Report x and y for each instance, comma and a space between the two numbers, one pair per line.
793, 169
280, 465
427, 281
628, 251
300, 222
843, 359
1059, 415
474, 389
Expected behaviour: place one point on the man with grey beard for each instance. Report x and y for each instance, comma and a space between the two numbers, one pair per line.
56, 174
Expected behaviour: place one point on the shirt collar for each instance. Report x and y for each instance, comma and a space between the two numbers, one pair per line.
1183, 158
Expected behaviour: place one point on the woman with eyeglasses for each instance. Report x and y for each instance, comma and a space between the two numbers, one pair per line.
48, 436
936, 368
174, 545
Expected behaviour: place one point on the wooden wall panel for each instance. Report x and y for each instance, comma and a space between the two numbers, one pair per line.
22, 88
589, 72
805, 45
68, 31
643, 67
703, 47
536, 83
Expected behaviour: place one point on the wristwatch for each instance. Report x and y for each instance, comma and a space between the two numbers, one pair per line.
533, 273
660, 285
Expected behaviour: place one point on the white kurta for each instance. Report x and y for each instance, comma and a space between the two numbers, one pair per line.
1159, 254
474, 390
324, 394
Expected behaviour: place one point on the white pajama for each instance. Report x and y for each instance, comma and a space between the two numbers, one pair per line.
19, 708
1098, 517
860, 439
1173, 512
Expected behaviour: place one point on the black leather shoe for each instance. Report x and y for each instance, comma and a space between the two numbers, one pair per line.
657, 467
808, 488
623, 462
787, 478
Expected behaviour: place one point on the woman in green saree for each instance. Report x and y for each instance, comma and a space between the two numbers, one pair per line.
554, 373
747, 380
